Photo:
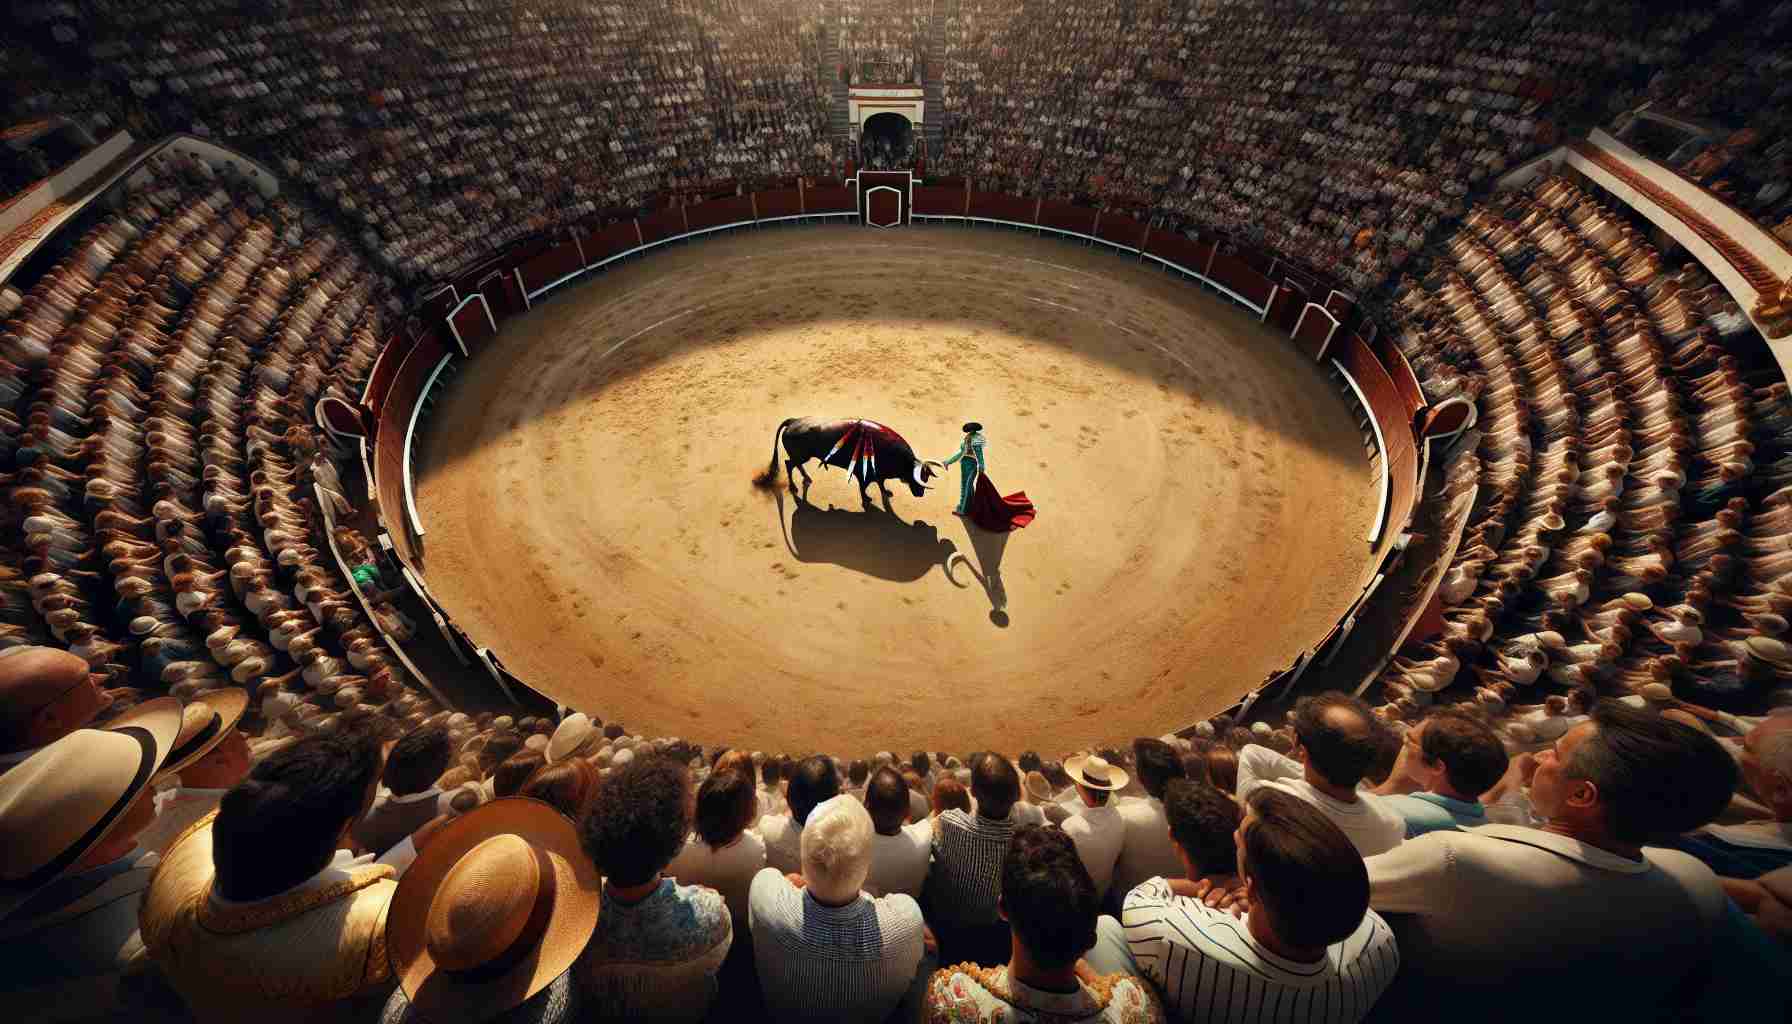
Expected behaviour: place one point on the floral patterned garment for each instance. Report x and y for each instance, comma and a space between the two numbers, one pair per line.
968, 994
657, 959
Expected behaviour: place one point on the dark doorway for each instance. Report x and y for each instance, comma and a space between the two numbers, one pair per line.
887, 142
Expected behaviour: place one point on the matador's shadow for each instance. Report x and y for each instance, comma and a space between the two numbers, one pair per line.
871, 540
988, 570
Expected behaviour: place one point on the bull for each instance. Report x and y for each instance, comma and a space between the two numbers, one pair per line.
869, 452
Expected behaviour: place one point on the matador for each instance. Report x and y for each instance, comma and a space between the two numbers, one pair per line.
974, 463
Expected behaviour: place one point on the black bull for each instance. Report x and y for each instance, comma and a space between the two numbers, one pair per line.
867, 450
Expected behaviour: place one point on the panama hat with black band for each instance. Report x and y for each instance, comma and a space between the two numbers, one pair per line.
64, 800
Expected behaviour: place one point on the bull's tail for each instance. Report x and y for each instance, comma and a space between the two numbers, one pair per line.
769, 478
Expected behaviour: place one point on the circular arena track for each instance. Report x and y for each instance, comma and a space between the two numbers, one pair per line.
587, 482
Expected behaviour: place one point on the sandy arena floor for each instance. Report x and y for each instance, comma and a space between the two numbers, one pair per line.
587, 489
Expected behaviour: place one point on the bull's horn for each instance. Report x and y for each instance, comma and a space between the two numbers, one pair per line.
917, 473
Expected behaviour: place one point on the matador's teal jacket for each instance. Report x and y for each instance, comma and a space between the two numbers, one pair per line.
971, 451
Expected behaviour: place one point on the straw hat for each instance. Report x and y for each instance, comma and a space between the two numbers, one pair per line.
572, 737
65, 799
1768, 649
1038, 790
1094, 772
204, 723
499, 903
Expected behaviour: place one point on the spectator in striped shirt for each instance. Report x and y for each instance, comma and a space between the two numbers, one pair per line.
1049, 899
964, 884
808, 784
1445, 763
827, 950
1308, 948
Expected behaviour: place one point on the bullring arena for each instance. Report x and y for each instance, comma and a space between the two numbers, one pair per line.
1331, 556
586, 487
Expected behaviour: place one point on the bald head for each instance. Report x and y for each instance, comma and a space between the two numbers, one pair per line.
1767, 763
45, 694
1339, 735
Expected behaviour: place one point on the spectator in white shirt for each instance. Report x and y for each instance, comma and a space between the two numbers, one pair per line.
207, 768
771, 786
1578, 907
721, 852
827, 950
1308, 948
1445, 763
810, 783
1097, 829
1147, 852
900, 852
1335, 744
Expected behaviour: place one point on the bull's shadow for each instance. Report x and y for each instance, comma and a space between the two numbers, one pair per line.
873, 541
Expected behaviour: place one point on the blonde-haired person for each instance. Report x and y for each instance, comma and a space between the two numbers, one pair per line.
826, 950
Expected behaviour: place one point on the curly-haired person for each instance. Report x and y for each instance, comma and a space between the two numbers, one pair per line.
658, 945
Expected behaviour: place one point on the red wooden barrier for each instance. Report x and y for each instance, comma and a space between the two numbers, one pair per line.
831, 199
1065, 217
999, 206
472, 327
1186, 253
717, 212
782, 202
388, 446
613, 240
1314, 331
1389, 409
1400, 371
1120, 229
551, 266
1233, 273
661, 225
933, 201
883, 207
384, 369
1284, 309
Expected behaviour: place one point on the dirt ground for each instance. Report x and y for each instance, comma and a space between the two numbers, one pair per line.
586, 485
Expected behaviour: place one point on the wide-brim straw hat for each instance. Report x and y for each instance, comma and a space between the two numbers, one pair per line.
499, 903
571, 737
1094, 772
205, 721
64, 800
1036, 787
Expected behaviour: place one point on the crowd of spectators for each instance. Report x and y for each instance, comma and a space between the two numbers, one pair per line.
490, 868
881, 40
438, 131
222, 798
1743, 150
1344, 134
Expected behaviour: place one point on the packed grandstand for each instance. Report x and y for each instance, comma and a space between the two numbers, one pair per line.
230, 792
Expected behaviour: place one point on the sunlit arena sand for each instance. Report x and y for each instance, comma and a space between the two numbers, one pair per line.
587, 487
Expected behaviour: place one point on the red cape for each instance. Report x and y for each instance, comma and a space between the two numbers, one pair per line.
998, 514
